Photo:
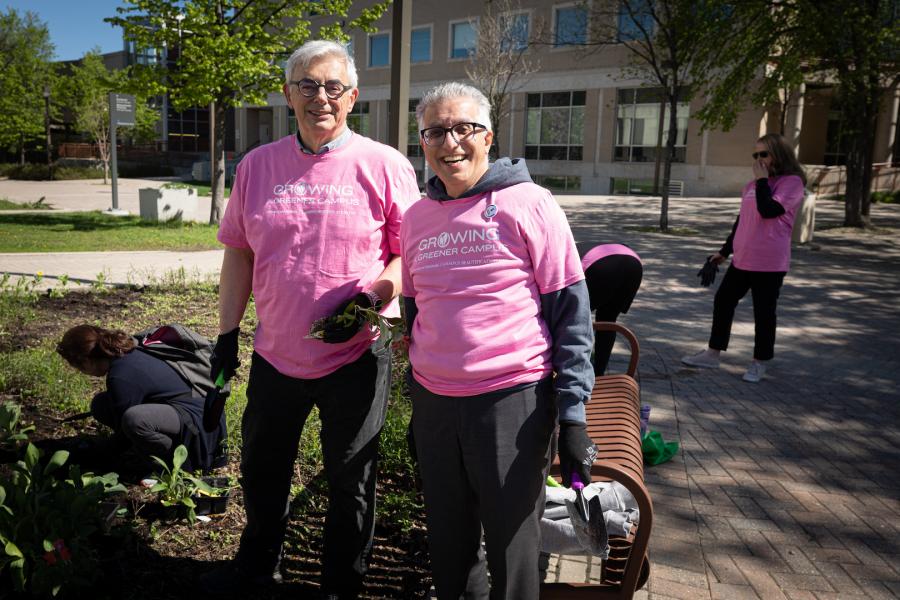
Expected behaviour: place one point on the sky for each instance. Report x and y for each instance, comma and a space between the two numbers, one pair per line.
76, 26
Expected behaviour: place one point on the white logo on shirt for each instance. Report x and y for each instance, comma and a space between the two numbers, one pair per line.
467, 236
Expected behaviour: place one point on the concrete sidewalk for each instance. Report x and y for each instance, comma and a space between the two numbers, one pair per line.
784, 489
83, 269
85, 194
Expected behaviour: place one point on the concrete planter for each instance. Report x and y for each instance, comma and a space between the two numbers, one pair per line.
805, 220
169, 204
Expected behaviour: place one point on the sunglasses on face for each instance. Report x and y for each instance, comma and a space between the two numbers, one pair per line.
763, 154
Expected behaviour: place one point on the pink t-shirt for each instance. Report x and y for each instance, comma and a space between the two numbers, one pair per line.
765, 244
321, 229
477, 282
604, 250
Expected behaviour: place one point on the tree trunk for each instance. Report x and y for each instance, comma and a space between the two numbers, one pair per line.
670, 156
22, 149
659, 136
861, 110
217, 164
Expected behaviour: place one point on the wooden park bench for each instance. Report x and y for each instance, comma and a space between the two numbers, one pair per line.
613, 423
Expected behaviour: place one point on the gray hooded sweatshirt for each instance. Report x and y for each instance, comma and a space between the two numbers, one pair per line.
566, 312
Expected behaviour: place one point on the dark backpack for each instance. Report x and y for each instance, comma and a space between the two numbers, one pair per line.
184, 350
189, 354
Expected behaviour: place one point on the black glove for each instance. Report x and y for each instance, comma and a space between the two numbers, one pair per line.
576, 452
225, 355
337, 333
707, 272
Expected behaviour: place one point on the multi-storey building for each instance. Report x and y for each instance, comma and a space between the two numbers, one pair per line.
582, 122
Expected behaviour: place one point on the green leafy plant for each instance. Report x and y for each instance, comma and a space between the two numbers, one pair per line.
176, 486
46, 524
389, 329
11, 430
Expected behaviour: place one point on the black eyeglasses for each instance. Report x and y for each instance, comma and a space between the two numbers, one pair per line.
763, 154
434, 136
308, 88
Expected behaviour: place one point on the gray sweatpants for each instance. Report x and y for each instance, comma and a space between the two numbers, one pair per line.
484, 461
153, 429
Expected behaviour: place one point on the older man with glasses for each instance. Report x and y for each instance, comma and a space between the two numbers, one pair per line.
500, 345
313, 224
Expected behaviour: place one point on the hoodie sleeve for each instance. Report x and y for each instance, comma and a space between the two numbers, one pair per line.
567, 313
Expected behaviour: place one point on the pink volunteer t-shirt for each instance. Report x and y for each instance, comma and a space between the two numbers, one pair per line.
477, 283
321, 229
765, 244
604, 250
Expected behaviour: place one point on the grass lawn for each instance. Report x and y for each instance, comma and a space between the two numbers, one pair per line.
95, 231
10, 205
203, 189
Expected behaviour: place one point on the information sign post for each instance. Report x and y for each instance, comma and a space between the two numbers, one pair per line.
121, 113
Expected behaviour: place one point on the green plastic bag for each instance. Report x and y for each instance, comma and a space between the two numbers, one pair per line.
655, 450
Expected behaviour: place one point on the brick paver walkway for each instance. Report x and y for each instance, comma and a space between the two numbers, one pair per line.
785, 489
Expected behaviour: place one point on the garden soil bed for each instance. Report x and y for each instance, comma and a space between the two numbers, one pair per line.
146, 555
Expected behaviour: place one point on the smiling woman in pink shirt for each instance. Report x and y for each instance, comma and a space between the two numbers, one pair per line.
761, 242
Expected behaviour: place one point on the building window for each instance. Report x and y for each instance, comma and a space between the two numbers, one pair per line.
554, 126
380, 50
420, 45
637, 125
636, 23
413, 148
292, 121
569, 26
463, 39
835, 141
515, 27
358, 119
559, 183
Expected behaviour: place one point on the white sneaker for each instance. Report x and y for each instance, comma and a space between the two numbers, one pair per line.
706, 359
755, 372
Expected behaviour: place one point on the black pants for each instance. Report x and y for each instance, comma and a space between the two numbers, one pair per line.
483, 461
352, 402
613, 282
764, 288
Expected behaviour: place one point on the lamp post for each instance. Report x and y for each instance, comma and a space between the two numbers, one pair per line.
47, 128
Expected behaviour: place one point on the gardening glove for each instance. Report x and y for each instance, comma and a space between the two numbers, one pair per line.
338, 333
707, 272
576, 452
225, 355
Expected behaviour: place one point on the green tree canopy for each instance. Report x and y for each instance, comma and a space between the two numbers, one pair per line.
25, 55
230, 52
774, 45
87, 95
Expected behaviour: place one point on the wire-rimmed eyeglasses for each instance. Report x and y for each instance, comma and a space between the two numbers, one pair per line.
308, 88
434, 136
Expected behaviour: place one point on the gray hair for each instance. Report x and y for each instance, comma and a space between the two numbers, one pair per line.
309, 52
450, 90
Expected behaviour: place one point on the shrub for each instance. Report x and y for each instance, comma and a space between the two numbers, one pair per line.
38, 172
886, 197
46, 525
5, 168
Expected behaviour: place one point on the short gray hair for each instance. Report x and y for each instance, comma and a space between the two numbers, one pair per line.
450, 90
309, 52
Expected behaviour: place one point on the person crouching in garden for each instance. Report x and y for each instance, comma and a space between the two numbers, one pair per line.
496, 303
146, 401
